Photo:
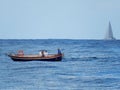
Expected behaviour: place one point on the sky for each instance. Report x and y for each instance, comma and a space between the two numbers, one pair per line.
58, 19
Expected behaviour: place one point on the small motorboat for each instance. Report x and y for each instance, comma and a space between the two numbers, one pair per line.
50, 57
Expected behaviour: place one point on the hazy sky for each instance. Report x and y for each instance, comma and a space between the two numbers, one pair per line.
49, 19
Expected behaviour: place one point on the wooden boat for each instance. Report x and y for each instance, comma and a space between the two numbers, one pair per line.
21, 57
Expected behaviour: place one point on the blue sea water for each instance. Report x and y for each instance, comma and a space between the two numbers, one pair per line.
87, 65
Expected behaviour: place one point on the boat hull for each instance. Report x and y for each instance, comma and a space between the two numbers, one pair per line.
36, 58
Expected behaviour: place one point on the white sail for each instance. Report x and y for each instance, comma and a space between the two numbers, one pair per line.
109, 33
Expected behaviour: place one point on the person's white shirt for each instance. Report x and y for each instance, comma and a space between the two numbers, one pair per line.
40, 54
46, 53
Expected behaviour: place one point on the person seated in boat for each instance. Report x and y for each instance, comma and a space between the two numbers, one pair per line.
20, 53
59, 51
41, 53
45, 53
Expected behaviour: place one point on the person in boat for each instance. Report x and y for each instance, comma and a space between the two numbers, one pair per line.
20, 53
59, 51
40, 53
45, 53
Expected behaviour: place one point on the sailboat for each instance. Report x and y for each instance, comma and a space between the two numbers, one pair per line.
109, 33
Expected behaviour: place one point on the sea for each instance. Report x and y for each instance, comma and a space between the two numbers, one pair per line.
86, 65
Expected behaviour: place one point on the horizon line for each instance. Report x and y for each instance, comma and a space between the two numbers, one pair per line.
51, 39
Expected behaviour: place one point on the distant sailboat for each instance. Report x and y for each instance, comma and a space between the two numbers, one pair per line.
109, 34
